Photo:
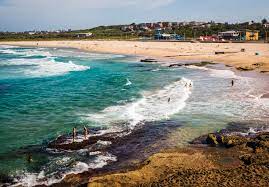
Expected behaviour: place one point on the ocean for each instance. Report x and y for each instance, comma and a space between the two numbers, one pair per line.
46, 92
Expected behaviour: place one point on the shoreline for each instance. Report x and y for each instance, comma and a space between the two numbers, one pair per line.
176, 153
214, 159
255, 57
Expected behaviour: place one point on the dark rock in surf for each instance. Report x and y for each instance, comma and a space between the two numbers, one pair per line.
148, 60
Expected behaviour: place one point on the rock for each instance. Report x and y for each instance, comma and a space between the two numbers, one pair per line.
175, 65
260, 143
263, 136
246, 68
212, 139
148, 60
257, 158
231, 141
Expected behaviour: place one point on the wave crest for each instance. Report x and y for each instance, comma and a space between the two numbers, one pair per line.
153, 106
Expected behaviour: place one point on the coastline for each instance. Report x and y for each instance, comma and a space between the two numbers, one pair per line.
176, 156
229, 160
255, 56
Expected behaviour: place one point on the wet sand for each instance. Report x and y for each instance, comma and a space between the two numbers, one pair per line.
255, 57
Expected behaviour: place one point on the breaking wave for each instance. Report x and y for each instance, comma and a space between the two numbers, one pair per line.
67, 166
43, 67
153, 106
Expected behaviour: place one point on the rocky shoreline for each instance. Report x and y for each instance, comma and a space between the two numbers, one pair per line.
215, 159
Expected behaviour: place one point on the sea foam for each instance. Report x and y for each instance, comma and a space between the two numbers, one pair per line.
216, 72
153, 106
41, 178
43, 67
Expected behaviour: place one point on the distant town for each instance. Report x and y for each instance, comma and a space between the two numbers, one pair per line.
172, 31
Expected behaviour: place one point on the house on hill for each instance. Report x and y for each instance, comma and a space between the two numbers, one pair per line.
251, 35
230, 35
84, 35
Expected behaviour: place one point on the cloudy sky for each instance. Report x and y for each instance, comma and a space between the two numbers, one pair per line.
20, 15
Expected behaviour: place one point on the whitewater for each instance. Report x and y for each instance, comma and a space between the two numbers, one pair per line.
125, 104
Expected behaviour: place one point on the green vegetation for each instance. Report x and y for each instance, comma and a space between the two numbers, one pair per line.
115, 32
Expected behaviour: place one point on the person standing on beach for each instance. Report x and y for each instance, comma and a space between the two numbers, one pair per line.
74, 134
85, 133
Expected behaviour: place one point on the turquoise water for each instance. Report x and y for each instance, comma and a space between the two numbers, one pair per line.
44, 93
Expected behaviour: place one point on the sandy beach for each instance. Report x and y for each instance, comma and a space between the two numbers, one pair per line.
255, 55
178, 151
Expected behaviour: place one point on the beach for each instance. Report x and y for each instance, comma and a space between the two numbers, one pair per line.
148, 122
255, 55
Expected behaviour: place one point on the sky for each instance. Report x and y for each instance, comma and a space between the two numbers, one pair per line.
22, 15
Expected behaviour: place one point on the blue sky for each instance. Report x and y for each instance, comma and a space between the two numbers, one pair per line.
20, 15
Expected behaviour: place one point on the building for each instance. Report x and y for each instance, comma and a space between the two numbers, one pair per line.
127, 28
212, 38
251, 35
84, 35
230, 35
164, 36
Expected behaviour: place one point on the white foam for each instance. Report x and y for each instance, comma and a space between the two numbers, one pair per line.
104, 143
26, 52
44, 67
252, 131
7, 46
155, 70
153, 106
33, 179
128, 83
216, 72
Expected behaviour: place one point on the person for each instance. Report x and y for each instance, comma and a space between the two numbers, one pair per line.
74, 133
169, 99
29, 158
232, 82
85, 133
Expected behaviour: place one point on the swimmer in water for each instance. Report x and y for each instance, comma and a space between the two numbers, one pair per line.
190, 84
169, 99
29, 158
232, 82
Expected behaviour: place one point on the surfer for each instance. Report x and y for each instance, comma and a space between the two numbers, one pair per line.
74, 134
85, 133
232, 82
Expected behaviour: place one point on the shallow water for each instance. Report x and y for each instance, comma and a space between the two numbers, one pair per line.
44, 93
